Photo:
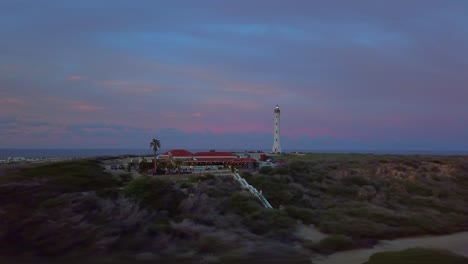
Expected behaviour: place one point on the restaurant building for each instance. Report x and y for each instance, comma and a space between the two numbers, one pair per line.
209, 158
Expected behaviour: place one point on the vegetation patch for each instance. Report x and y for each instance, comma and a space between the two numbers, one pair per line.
75, 207
331, 244
155, 194
416, 256
68, 176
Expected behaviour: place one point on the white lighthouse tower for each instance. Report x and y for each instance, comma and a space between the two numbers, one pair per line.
276, 139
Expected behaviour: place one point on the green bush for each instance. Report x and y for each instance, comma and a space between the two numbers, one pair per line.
154, 193
242, 203
144, 165
185, 185
266, 170
210, 244
126, 177
355, 180
331, 244
246, 175
411, 163
343, 190
416, 256
70, 176
307, 216
53, 202
416, 188
264, 221
159, 225
198, 178
281, 170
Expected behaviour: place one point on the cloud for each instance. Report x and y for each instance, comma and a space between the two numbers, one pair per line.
77, 78
84, 107
12, 101
112, 83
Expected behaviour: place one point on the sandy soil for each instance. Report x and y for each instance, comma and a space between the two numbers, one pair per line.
457, 243
309, 232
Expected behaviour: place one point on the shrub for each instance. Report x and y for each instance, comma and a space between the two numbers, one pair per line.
154, 193
417, 255
144, 165
400, 168
198, 178
54, 202
343, 190
160, 225
307, 216
210, 244
112, 193
126, 177
70, 176
281, 170
269, 221
266, 170
331, 244
242, 203
410, 163
416, 188
246, 175
355, 180
185, 185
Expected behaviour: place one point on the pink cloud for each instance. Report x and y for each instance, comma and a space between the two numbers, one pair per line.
312, 132
77, 78
222, 81
13, 101
237, 103
84, 107
9, 68
112, 83
135, 88
138, 89
172, 115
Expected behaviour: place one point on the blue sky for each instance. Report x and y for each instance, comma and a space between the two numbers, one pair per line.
388, 75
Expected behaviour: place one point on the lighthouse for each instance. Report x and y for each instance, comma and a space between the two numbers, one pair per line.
276, 139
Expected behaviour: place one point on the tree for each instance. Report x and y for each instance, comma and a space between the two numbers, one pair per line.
155, 144
178, 163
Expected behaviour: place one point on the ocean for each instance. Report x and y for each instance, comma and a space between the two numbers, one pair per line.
84, 153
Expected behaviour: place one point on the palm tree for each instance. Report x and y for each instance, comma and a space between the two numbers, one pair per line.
155, 144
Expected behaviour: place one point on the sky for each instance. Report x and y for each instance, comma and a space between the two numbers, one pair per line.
347, 75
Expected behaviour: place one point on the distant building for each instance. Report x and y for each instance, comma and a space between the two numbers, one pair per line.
180, 154
208, 158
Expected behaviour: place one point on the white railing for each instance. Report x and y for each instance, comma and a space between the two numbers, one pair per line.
252, 189
213, 172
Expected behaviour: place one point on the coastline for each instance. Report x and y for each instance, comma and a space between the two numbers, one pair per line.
43, 153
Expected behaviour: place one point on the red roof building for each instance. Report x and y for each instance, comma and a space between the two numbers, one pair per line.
178, 154
210, 157
214, 154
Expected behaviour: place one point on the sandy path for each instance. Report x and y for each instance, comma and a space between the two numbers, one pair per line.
457, 243
309, 232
